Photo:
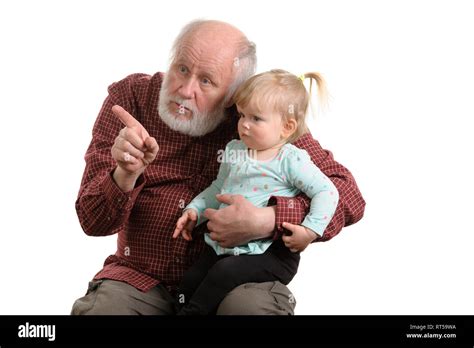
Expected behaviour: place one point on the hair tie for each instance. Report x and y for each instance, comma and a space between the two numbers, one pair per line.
301, 77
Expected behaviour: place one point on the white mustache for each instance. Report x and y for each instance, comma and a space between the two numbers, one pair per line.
182, 102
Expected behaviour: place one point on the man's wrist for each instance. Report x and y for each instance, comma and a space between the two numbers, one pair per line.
125, 181
266, 216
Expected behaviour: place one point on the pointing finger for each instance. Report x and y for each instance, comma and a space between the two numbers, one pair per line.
127, 119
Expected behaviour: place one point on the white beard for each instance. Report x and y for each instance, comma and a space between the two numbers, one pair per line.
201, 123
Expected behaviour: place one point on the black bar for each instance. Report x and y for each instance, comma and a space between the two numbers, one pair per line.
291, 331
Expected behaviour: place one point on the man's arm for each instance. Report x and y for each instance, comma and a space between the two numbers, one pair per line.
107, 194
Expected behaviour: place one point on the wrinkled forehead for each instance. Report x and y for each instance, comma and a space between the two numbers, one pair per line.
211, 58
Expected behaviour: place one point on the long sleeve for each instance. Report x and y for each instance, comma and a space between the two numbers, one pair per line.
350, 207
101, 206
303, 174
207, 198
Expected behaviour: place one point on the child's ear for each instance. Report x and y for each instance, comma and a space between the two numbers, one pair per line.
289, 127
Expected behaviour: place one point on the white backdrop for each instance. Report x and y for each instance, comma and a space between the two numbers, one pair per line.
401, 78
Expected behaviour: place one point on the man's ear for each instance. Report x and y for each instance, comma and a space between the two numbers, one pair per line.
289, 127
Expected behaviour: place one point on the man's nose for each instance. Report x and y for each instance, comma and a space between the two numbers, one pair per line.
188, 88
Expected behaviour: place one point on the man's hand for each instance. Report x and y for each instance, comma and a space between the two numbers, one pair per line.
301, 237
240, 222
133, 150
186, 224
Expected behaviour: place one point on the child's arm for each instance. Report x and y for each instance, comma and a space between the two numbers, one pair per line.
193, 212
207, 198
307, 177
350, 208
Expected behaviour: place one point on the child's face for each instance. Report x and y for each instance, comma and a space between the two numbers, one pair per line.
260, 130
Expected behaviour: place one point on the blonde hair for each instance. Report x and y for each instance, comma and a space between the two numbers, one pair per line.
285, 92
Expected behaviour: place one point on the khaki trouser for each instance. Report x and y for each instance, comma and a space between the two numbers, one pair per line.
112, 297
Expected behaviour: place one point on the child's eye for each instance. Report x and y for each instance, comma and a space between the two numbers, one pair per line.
256, 118
241, 115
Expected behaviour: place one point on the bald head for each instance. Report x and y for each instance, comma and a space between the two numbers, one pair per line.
211, 33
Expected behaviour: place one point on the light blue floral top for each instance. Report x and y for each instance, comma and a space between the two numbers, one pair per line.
287, 174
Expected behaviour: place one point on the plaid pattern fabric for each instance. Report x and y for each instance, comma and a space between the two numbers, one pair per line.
145, 217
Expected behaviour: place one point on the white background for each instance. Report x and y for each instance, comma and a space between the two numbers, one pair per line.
401, 78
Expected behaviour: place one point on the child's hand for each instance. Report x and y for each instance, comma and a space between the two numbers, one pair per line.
185, 225
300, 238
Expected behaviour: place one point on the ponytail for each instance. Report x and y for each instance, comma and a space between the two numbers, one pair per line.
320, 82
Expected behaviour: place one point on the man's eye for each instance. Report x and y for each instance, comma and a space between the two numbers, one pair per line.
182, 69
206, 81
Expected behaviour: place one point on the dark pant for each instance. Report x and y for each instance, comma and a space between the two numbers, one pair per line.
212, 277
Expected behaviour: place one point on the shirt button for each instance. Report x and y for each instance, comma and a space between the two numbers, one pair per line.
108, 218
178, 260
119, 200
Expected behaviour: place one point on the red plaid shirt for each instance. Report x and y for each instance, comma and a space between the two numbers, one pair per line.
145, 217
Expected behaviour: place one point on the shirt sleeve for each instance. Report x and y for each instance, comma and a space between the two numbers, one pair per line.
350, 207
307, 177
207, 198
101, 206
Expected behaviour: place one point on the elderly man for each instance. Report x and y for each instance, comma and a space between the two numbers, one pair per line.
155, 146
